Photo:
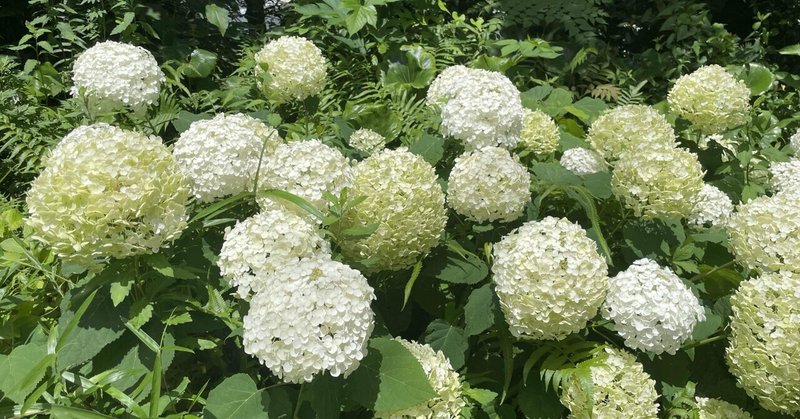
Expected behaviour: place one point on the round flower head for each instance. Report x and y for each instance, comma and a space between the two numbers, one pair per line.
794, 142
314, 317
764, 350
549, 278
719, 409
295, 65
259, 245
488, 185
658, 182
651, 307
445, 382
620, 389
405, 200
711, 99
106, 192
220, 156
582, 161
712, 206
765, 233
539, 133
306, 169
484, 110
367, 141
619, 129
113, 74
786, 175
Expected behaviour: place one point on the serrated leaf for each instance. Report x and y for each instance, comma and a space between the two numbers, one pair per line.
324, 396
19, 373
451, 340
237, 397
452, 267
359, 16
119, 291
218, 17
479, 310
430, 147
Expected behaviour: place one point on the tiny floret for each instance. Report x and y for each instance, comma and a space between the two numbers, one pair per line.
711, 99
719, 409
786, 175
367, 141
626, 127
764, 349
114, 74
539, 133
712, 207
653, 310
549, 278
404, 198
315, 317
261, 244
583, 161
107, 193
296, 68
220, 156
489, 185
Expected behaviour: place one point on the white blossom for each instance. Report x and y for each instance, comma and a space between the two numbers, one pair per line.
712, 206
583, 161
296, 67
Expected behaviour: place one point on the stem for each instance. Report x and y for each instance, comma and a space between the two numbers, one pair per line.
296, 414
702, 275
260, 159
705, 341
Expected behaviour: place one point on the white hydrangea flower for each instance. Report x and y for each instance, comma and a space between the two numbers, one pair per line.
404, 198
764, 350
622, 128
549, 278
539, 133
765, 233
653, 310
259, 245
712, 206
483, 108
658, 181
620, 389
786, 175
583, 161
719, 409
711, 99
306, 169
220, 156
794, 142
314, 317
106, 192
445, 382
367, 141
488, 185
114, 74
297, 69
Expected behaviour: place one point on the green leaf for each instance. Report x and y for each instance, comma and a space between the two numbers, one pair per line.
324, 396
237, 397
456, 268
66, 412
218, 17
758, 79
119, 291
185, 119
557, 102
201, 63
598, 184
122, 25
555, 174
532, 98
479, 310
790, 50
410, 283
359, 16
389, 379
19, 373
451, 340
719, 282
430, 147
417, 69
587, 109
360, 232
707, 327
294, 199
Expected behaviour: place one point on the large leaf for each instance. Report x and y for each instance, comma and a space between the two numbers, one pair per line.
389, 379
451, 340
416, 70
479, 311
759, 79
201, 63
790, 50
18, 372
324, 396
218, 17
555, 174
450, 266
237, 397
430, 147
359, 15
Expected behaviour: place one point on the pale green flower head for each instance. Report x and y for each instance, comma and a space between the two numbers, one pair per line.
764, 350
539, 133
711, 99
404, 198
622, 128
719, 409
107, 193
297, 69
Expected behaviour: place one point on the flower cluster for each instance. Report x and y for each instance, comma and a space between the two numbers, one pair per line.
583, 161
794, 142
764, 351
295, 65
711, 99
220, 156
481, 108
488, 185
786, 175
448, 402
621, 389
113, 74
765, 233
261, 244
651, 307
306, 169
549, 278
712, 206
106, 192
404, 198
367, 141
539, 133
719, 409
658, 181
627, 127
315, 317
